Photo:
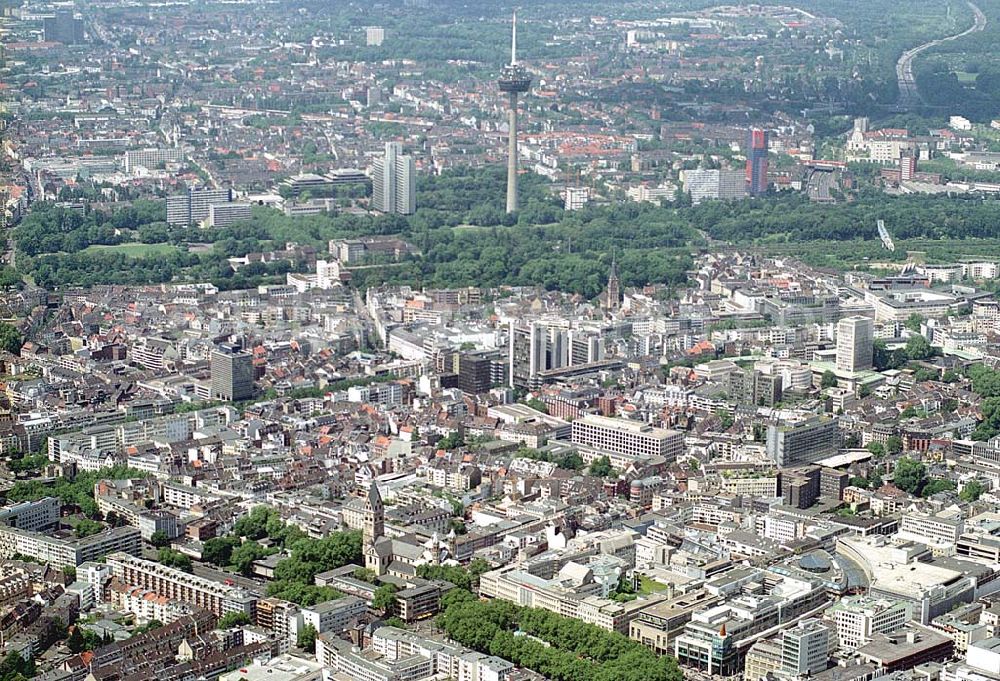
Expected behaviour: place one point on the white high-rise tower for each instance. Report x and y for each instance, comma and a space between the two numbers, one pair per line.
855, 343
394, 182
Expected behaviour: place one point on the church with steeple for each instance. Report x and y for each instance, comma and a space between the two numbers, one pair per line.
611, 298
376, 547
399, 556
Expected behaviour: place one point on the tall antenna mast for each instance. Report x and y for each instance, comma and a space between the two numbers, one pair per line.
513, 40
514, 80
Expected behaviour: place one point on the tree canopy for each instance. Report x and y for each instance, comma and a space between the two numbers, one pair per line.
233, 619
78, 490
385, 598
971, 491
601, 467
557, 647
11, 339
909, 475
306, 638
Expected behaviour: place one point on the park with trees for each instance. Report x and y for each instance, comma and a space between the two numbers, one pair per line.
294, 574
557, 647
464, 237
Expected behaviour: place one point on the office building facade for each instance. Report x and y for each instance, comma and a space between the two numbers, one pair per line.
855, 343
802, 442
475, 372
232, 374
333, 615
148, 522
418, 602
151, 159
34, 516
805, 648
527, 354
535, 347
859, 618
626, 437
525, 589
585, 347
63, 28
394, 182
755, 388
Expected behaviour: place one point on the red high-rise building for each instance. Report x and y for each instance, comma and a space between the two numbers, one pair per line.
907, 167
757, 141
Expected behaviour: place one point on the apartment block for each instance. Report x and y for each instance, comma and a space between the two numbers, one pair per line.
400, 655
714, 184
193, 206
225, 214
148, 522
277, 615
217, 597
68, 550
15, 586
147, 605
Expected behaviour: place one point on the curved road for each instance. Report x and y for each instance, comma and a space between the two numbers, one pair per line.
908, 94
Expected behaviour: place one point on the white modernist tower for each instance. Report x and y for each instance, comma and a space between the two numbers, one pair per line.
855, 343
394, 180
514, 80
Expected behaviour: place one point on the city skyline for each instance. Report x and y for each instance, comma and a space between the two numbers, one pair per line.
430, 340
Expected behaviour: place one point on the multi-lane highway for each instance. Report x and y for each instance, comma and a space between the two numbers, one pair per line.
908, 94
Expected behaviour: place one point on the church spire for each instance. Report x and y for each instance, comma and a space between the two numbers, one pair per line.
613, 293
374, 525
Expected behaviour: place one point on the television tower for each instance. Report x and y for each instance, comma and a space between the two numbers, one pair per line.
514, 80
